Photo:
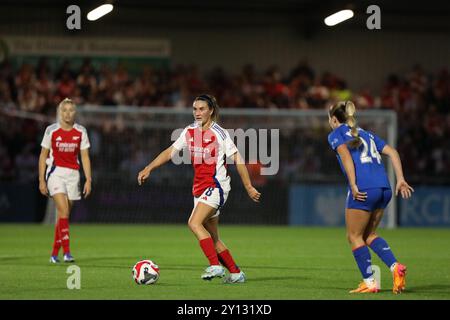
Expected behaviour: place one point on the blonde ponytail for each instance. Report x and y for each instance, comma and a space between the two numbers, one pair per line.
350, 111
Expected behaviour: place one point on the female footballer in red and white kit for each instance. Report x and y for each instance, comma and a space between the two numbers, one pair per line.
209, 146
59, 175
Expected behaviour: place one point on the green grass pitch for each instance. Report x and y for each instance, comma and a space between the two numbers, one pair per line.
280, 263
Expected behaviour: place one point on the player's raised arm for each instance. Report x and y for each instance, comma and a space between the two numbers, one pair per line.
402, 186
349, 167
161, 159
42, 165
243, 173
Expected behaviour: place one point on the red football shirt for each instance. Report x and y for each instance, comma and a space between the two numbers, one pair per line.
65, 145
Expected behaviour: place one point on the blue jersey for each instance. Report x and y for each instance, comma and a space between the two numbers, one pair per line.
370, 171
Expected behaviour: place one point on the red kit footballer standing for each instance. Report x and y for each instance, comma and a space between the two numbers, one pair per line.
59, 175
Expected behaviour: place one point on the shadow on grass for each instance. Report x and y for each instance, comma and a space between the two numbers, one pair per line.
20, 291
46, 258
18, 258
307, 268
431, 288
103, 262
256, 279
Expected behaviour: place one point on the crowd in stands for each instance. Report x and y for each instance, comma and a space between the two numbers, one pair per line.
421, 99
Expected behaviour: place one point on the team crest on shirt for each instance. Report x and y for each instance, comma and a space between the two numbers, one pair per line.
76, 138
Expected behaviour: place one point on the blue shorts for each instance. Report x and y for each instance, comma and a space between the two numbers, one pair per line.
377, 198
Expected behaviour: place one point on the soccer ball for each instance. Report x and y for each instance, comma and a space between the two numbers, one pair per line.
145, 272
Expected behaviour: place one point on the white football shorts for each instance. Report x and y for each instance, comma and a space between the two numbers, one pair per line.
213, 197
64, 180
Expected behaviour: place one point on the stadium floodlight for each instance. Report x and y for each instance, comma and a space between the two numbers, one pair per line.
99, 12
338, 17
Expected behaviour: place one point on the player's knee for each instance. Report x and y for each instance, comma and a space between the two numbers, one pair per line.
219, 245
215, 238
372, 236
63, 213
354, 238
193, 225
349, 238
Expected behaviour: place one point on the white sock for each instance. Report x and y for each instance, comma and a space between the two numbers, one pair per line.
393, 266
369, 281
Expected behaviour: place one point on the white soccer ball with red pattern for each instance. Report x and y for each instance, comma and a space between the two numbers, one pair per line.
145, 272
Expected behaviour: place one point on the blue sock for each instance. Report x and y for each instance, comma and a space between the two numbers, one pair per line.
382, 249
363, 260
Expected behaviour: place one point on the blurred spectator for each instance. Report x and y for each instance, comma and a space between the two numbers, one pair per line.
86, 82
421, 99
27, 165
6, 164
66, 86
